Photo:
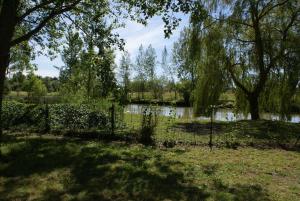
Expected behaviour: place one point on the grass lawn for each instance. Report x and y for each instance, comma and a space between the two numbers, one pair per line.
49, 168
261, 133
250, 161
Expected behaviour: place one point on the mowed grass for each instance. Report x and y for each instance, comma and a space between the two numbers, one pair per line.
36, 168
261, 133
255, 167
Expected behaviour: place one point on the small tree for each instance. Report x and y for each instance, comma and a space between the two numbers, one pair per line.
139, 68
125, 66
158, 85
35, 88
149, 67
149, 123
186, 69
169, 69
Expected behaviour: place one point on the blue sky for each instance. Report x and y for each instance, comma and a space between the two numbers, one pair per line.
134, 35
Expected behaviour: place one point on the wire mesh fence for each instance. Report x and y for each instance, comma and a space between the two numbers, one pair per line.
113, 121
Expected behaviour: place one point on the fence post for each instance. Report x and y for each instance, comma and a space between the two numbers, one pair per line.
211, 128
112, 120
47, 118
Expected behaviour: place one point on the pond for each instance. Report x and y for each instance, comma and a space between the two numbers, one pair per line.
220, 114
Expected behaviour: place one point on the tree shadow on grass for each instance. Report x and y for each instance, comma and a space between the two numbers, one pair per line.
104, 172
239, 192
131, 176
100, 172
36, 156
262, 134
198, 128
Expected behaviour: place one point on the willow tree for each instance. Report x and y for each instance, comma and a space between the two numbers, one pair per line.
208, 53
259, 39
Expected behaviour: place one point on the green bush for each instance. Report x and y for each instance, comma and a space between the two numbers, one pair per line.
149, 123
57, 116
12, 113
72, 117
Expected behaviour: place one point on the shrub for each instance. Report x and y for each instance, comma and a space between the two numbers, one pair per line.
35, 116
56, 116
67, 116
12, 113
97, 120
74, 117
149, 123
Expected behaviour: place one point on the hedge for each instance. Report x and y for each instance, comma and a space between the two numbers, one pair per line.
54, 116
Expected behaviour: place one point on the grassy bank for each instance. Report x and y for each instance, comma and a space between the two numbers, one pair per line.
22, 96
47, 168
260, 133
169, 98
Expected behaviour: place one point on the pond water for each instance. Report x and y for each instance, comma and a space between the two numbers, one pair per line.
220, 114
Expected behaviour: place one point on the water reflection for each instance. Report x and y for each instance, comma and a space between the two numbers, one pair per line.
220, 115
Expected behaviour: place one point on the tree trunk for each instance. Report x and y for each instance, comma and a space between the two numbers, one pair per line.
88, 86
8, 15
253, 103
3, 64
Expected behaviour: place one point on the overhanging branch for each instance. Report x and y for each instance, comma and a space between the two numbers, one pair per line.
235, 80
33, 9
269, 8
43, 23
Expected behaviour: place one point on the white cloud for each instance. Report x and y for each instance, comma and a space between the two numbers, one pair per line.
146, 36
46, 66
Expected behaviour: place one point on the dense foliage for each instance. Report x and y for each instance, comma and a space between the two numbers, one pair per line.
255, 42
148, 125
57, 116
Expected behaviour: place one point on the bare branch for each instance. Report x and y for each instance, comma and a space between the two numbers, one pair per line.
75, 24
232, 21
235, 80
269, 8
240, 22
245, 41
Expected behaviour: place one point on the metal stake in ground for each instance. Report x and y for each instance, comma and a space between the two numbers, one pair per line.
47, 117
112, 119
211, 128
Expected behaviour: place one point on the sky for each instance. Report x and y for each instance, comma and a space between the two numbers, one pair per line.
134, 35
